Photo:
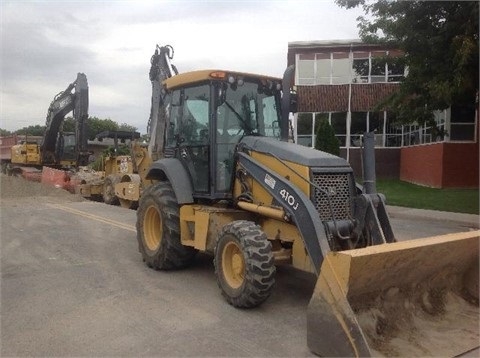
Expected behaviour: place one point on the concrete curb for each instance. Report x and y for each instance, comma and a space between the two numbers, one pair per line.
468, 219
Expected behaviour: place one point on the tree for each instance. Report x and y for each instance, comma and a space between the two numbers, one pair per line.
97, 125
440, 42
68, 124
4, 132
36, 130
127, 128
326, 140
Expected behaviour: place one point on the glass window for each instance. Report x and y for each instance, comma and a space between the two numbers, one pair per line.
306, 72
462, 122
339, 124
341, 69
189, 132
251, 108
393, 131
361, 70
271, 124
304, 124
323, 71
377, 71
304, 129
463, 114
375, 122
189, 116
396, 70
357, 128
69, 144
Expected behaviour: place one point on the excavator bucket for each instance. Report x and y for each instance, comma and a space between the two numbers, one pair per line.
410, 298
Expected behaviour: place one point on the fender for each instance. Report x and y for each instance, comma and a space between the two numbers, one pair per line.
172, 170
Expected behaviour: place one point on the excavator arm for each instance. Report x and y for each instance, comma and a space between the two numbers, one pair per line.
73, 98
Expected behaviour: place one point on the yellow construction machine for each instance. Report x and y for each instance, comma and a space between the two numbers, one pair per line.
58, 149
226, 181
114, 166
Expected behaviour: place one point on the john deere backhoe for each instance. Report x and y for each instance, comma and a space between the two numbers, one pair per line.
226, 181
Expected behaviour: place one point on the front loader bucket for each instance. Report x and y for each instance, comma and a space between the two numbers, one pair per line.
410, 298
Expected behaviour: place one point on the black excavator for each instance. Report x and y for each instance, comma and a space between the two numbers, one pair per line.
58, 149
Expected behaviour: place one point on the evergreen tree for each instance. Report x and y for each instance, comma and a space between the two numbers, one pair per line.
326, 140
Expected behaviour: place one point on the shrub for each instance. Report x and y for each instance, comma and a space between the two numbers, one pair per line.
325, 139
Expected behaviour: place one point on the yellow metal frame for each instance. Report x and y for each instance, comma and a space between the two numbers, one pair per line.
26, 153
189, 78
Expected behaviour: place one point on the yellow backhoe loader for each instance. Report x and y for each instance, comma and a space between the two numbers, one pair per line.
225, 180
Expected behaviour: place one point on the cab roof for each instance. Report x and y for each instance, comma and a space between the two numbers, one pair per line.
192, 77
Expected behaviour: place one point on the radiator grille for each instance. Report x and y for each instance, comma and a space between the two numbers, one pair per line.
338, 187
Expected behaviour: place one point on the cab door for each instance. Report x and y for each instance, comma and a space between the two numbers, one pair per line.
188, 133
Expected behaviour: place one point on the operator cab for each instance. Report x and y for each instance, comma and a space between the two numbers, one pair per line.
66, 148
206, 119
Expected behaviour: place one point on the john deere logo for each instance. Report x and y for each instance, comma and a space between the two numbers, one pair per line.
331, 191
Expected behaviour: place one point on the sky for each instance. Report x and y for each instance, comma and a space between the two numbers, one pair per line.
44, 44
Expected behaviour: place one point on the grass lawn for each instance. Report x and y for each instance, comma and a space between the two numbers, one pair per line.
414, 196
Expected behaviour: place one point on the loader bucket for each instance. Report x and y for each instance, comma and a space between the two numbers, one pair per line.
410, 298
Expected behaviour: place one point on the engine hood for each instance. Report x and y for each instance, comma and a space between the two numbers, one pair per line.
294, 152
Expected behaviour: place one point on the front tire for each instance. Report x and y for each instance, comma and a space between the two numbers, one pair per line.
244, 264
158, 229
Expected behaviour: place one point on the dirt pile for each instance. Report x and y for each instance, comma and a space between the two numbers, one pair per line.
18, 188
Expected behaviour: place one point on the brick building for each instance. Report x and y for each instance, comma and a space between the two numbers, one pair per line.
343, 81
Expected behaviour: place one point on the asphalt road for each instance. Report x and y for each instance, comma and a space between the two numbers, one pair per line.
73, 284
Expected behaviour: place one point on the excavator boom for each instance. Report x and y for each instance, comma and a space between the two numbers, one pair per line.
73, 98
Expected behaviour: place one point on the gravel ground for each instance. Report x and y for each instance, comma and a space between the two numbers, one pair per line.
19, 188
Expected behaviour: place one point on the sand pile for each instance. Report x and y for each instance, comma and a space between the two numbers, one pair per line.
18, 187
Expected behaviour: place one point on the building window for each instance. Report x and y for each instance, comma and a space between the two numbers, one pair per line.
323, 66
341, 68
393, 131
306, 69
338, 120
377, 70
387, 132
376, 66
357, 127
462, 123
347, 67
304, 129
361, 67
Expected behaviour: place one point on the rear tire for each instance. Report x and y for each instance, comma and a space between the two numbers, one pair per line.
158, 229
244, 264
109, 196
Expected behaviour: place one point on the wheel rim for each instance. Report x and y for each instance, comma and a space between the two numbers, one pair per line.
152, 228
233, 265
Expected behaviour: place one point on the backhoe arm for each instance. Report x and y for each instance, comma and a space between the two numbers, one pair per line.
161, 69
